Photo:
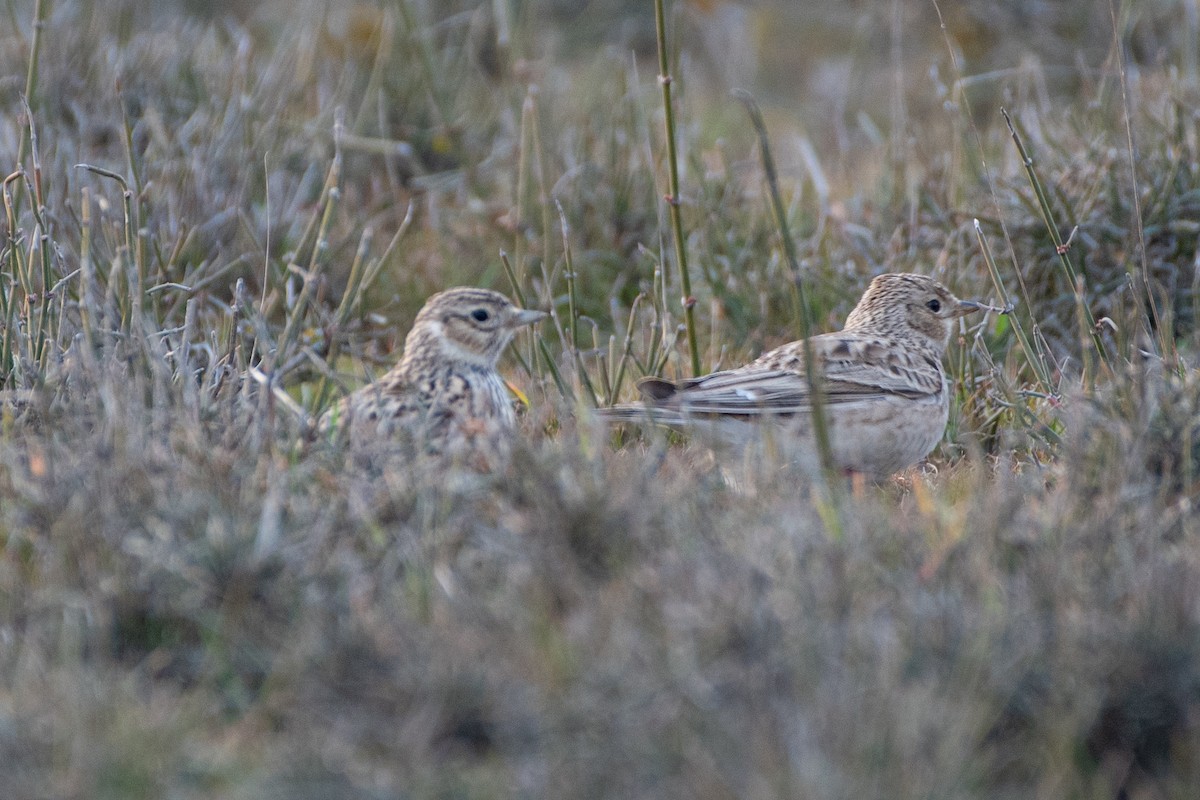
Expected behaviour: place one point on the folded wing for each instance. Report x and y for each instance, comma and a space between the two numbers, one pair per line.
853, 368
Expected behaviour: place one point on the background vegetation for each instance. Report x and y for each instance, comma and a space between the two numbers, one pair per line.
220, 216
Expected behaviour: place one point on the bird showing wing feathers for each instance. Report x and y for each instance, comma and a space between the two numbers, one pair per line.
881, 378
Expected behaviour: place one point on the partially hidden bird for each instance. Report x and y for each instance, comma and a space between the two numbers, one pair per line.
445, 397
883, 387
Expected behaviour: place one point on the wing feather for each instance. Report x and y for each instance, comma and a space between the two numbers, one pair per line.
854, 368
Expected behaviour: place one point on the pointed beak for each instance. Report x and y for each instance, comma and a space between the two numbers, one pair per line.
965, 307
527, 317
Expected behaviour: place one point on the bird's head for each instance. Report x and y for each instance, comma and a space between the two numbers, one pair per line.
907, 305
470, 325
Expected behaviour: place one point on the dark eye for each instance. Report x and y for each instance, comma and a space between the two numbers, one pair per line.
480, 315
933, 305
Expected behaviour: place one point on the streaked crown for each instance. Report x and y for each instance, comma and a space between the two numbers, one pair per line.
466, 324
908, 306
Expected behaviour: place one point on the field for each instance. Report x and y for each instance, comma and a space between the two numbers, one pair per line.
219, 217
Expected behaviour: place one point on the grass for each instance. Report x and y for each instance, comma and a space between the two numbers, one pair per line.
192, 604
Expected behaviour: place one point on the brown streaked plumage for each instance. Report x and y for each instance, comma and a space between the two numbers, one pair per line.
884, 386
445, 396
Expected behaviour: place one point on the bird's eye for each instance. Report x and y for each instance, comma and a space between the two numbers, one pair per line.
934, 305
480, 315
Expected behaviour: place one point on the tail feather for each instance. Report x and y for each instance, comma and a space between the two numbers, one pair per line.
639, 414
660, 395
657, 389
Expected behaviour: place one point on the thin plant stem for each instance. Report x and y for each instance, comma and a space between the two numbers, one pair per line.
342, 315
539, 161
799, 300
354, 282
127, 137
1060, 247
512, 279
41, 239
673, 199
129, 249
8, 292
329, 200
31, 75
373, 271
548, 359
44, 298
626, 350
573, 310
1031, 356
309, 278
87, 272
1165, 341
311, 237
522, 190
963, 99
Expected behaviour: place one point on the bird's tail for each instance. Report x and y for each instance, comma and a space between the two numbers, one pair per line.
639, 414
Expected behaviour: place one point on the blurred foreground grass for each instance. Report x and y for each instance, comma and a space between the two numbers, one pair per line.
191, 605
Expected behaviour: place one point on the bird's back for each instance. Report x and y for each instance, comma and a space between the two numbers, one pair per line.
885, 405
444, 410
880, 379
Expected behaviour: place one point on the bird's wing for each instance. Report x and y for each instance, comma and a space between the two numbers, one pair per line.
392, 397
853, 368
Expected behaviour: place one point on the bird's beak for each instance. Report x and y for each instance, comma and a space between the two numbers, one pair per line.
965, 307
527, 317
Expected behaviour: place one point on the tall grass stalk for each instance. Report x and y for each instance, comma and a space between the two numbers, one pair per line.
563, 389
127, 140
621, 367
40, 239
1061, 248
87, 274
127, 256
543, 177
1035, 361
524, 147
799, 300
573, 309
45, 296
674, 200
183, 356
376, 267
31, 77
318, 223
342, 315
1166, 342
530, 160
657, 304
959, 92
308, 274
9, 282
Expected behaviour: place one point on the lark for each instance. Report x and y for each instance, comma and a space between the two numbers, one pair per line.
445, 397
886, 399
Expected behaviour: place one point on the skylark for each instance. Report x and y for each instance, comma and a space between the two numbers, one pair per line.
885, 393
445, 397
